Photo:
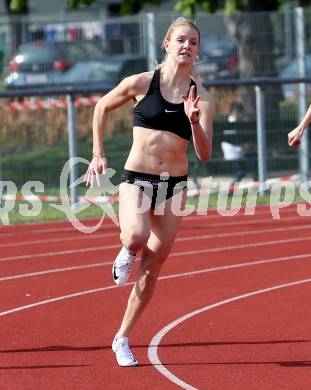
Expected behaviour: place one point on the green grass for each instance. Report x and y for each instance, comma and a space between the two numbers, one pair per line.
48, 213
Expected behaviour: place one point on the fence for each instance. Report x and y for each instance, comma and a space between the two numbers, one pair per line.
40, 151
265, 40
256, 147
34, 128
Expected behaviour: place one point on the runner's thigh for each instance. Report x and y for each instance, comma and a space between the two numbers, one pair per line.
164, 227
133, 219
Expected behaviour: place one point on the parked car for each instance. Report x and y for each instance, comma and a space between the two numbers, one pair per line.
39, 63
218, 58
109, 71
290, 71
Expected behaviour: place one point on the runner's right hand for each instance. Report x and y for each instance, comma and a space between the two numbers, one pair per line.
97, 166
294, 136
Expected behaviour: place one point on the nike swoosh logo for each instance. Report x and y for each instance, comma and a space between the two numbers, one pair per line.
115, 277
169, 111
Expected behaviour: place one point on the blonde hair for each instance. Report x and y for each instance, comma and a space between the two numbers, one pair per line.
181, 21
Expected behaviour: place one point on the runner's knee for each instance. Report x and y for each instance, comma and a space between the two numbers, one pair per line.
134, 241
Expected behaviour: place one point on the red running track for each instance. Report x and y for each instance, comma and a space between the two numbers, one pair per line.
231, 309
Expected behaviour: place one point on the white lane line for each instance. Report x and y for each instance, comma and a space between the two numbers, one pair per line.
53, 271
70, 228
156, 340
179, 239
116, 234
65, 252
252, 222
244, 232
166, 277
264, 211
241, 246
109, 263
60, 239
109, 224
61, 298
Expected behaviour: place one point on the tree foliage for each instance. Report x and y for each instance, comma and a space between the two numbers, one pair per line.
18, 5
76, 3
188, 7
22, 5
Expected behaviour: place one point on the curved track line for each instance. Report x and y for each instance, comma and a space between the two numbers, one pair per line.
60, 239
55, 270
243, 232
154, 343
256, 222
114, 246
241, 246
109, 263
80, 293
56, 299
64, 252
109, 224
41, 231
116, 234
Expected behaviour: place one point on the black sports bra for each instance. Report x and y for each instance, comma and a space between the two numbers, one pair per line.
154, 112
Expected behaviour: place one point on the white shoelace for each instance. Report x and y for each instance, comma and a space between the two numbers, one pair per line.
127, 260
127, 267
124, 352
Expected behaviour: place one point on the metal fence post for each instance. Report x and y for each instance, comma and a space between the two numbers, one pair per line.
72, 139
302, 104
261, 138
151, 41
288, 31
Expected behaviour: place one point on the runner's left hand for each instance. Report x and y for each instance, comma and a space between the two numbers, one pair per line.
191, 105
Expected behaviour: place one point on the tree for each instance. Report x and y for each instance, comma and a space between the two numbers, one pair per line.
17, 6
188, 7
127, 6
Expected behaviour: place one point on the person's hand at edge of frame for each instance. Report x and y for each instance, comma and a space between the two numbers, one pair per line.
191, 106
97, 166
294, 137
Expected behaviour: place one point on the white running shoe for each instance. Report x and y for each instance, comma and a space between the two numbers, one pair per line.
124, 355
122, 266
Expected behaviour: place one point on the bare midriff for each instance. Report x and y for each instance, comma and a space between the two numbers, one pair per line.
157, 151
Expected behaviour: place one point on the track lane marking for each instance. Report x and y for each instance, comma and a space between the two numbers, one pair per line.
166, 277
156, 340
60, 239
184, 238
109, 263
179, 239
209, 250
109, 224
